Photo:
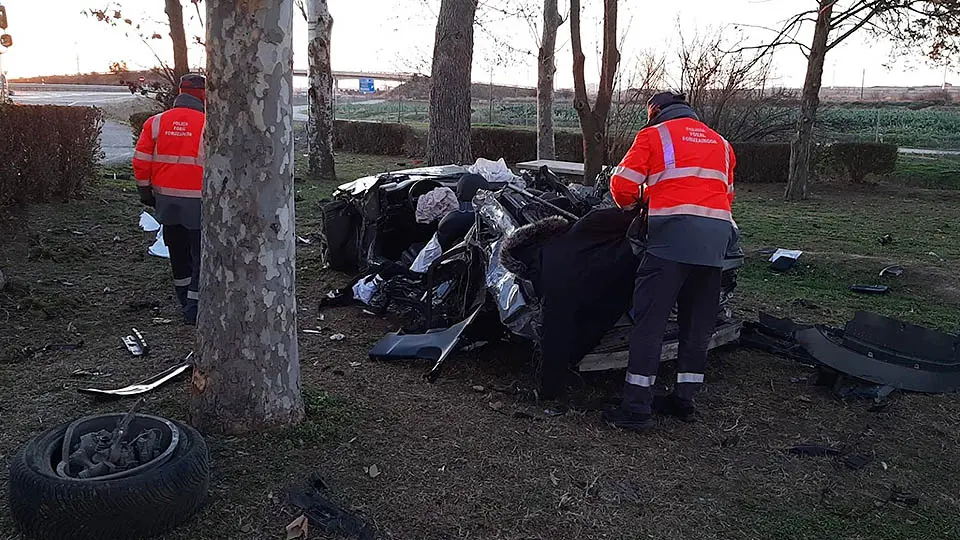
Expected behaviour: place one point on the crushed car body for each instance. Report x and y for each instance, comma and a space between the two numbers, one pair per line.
548, 262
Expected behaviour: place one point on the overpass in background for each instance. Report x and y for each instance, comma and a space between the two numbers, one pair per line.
337, 75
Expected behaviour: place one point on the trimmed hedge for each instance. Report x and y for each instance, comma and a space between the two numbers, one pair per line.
136, 124
761, 163
860, 159
47, 152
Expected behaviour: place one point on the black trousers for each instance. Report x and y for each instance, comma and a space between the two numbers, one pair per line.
184, 246
660, 285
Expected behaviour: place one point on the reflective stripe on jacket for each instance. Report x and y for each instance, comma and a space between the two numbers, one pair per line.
686, 169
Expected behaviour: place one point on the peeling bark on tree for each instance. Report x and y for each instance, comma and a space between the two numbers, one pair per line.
593, 120
448, 136
320, 124
181, 66
547, 67
802, 147
247, 374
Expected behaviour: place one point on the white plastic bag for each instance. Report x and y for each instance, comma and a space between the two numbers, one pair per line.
493, 171
148, 222
159, 248
364, 289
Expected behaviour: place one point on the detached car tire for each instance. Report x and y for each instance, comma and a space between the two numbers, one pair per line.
47, 506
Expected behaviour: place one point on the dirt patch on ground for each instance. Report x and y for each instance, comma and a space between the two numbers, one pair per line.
455, 461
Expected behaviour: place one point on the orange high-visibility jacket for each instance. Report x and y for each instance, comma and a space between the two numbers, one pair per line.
686, 168
167, 157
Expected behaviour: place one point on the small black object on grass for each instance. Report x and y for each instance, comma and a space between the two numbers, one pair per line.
855, 462
870, 289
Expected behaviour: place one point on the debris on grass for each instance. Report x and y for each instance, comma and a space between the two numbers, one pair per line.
855, 462
82, 373
893, 271
143, 386
310, 331
885, 240
338, 337
372, 471
478, 388
784, 259
328, 517
870, 289
904, 498
135, 343
161, 320
298, 528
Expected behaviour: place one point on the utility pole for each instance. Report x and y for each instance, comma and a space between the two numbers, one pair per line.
863, 80
490, 120
76, 49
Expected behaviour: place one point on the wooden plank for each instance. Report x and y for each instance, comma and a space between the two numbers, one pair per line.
565, 168
724, 335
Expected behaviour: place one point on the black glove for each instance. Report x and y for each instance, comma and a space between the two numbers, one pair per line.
146, 196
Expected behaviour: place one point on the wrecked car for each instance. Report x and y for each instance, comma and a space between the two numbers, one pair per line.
528, 256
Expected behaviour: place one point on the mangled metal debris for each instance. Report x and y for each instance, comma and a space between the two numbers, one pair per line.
144, 386
135, 343
888, 353
91, 451
435, 346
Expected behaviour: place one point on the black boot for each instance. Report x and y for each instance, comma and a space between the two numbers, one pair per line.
674, 406
624, 419
190, 314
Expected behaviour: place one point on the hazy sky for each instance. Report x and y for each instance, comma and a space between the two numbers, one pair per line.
397, 35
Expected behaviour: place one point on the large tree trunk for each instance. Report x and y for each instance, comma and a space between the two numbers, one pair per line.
247, 374
547, 67
802, 149
320, 124
181, 65
593, 120
448, 136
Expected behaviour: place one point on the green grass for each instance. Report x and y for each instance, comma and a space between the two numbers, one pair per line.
931, 172
927, 127
839, 231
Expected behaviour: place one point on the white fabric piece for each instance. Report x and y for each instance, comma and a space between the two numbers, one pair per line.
430, 252
492, 171
641, 380
364, 289
159, 248
435, 204
696, 378
148, 222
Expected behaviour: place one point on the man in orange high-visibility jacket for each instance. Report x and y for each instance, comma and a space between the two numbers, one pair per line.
168, 167
686, 173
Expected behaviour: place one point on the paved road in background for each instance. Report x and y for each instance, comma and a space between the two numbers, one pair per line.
116, 138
